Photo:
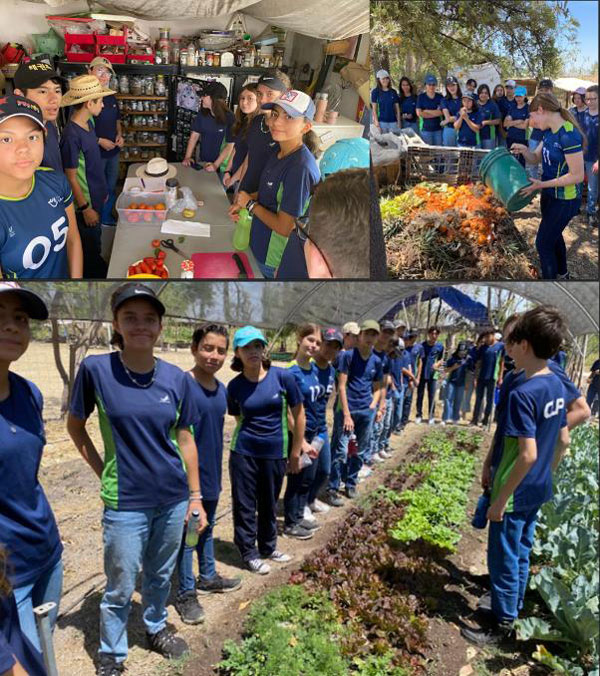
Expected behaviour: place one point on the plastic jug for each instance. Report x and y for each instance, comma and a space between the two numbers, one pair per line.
241, 234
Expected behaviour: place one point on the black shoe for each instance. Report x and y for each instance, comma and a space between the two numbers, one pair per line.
297, 532
485, 603
168, 644
108, 666
218, 585
190, 611
351, 492
309, 525
332, 498
500, 632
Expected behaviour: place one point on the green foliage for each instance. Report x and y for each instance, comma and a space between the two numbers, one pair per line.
378, 665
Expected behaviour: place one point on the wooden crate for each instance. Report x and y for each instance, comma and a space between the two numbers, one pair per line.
439, 163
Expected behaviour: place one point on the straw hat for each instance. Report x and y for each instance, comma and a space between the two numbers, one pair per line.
84, 88
157, 167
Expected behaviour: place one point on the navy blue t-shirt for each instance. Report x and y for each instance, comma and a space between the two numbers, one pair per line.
210, 406
560, 358
386, 101
143, 465
293, 261
426, 103
490, 356
362, 374
33, 230
516, 113
466, 136
240, 148
262, 429
27, 526
431, 354
312, 393
408, 106
396, 366
453, 106
590, 127
488, 111
566, 141
458, 376
106, 124
80, 150
285, 185
212, 134
52, 158
260, 148
326, 379
595, 383
504, 104
13, 643
414, 352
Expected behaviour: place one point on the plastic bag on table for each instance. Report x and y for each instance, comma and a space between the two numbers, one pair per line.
187, 203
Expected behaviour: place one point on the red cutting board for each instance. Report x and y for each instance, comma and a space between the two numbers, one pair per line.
219, 265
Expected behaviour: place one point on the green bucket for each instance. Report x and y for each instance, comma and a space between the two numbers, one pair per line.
503, 173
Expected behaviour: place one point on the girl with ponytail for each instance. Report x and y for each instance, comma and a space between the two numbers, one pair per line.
561, 155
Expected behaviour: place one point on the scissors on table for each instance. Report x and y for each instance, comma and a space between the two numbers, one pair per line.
170, 244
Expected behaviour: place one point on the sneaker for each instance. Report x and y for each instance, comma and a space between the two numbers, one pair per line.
310, 525
319, 507
332, 498
168, 644
377, 458
417, 421
385, 454
297, 532
485, 602
500, 632
190, 611
351, 492
279, 557
364, 472
443, 423
431, 421
108, 666
258, 566
218, 585
456, 422
308, 515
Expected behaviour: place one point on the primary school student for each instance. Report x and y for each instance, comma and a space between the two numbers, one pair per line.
432, 358
385, 103
209, 398
490, 118
84, 168
429, 110
260, 398
456, 370
516, 121
561, 153
38, 228
28, 530
590, 157
468, 122
149, 472
408, 105
451, 106
237, 133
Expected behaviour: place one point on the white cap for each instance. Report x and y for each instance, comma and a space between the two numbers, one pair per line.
510, 83
381, 74
400, 344
351, 327
498, 335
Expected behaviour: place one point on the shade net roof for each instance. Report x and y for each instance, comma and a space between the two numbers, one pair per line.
273, 304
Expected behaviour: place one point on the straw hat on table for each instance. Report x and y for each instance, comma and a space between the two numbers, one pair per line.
84, 88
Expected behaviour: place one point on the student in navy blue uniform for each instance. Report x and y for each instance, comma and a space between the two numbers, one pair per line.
408, 105
561, 359
358, 405
414, 353
28, 529
83, 166
579, 105
210, 127
429, 110
534, 440
505, 103
237, 134
432, 358
385, 103
40, 83
499, 98
590, 157
456, 369
451, 106
38, 228
407, 381
490, 117
488, 364
470, 375
286, 182
468, 122
536, 135
209, 347
594, 387
561, 153
516, 121
107, 126
381, 349
260, 398
149, 473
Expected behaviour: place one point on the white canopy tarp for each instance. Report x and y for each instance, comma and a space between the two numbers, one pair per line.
324, 19
570, 84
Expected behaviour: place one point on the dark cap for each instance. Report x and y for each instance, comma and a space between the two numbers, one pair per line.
215, 90
32, 303
546, 82
470, 95
451, 80
272, 82
385, 325
132, 290
411, 334
462, 346
34, 73
330, 335
13, 106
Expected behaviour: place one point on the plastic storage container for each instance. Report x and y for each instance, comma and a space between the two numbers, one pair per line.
143, 216
502, 172
87, 42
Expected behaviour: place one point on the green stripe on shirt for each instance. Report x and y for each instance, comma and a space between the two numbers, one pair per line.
109, 491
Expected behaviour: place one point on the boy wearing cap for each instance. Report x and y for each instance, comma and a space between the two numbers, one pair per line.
84, 169
413, 353
427, 376
38, 81
38, 228
358, 404
386, 104
429, 110
286, 182
350, 330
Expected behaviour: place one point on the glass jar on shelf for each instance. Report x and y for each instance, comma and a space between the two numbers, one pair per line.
124, 84
161, 87
149, 86
136, 85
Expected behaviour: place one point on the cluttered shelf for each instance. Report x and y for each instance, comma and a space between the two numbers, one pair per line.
145, 145
142, 97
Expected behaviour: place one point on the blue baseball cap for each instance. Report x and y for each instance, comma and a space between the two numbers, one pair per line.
295, 103
347, 153
332, 334
470, 95
521, 91
246, 335
430, 79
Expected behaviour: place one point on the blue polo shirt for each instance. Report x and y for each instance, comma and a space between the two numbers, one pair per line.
13, 643
430, 355
566, 141
386, 101
262, 429
458, 376
80, 150
260, 148
52, 158
396, 366
408, 106
285, 185
590, 127
490, 356
488, 111
293, 261
210, 407
512, 133
326, 379
33, 229
312, 393
143, 465
240, 147
466, 136
106, 125
212, 134
453, 106
414, 353
536, 409
426, 103
362, 374
560, 358
27, 526
578, 115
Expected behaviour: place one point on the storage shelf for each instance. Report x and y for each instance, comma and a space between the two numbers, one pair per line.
142, 97
145, 145
144, 112
125, 68
220, 69
134, 129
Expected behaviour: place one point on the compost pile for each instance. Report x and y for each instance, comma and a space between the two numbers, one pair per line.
436, 231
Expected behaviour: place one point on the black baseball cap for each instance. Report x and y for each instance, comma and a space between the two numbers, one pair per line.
129, 291
411, 334
462, 346
34, 73
546, 82
451, 80
470, 95
385, 325
33, 304
272, 82
12, 106
215, 90
333, 334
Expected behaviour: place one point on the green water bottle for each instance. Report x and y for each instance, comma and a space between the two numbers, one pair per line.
241, 234
191, 534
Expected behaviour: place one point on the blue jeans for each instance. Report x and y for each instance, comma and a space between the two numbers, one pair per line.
500, 141
363, 424
410, 125
267, 271
204, 549
380, 432
47, 588
406, 405
148, 539
468, 393
488, 143
323, 467
484, 387
509, 545
432, 138
454, 397
533, 169
549, 242
592, 180
384, 441
398, 406
389, 127
111, 173
449, 136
